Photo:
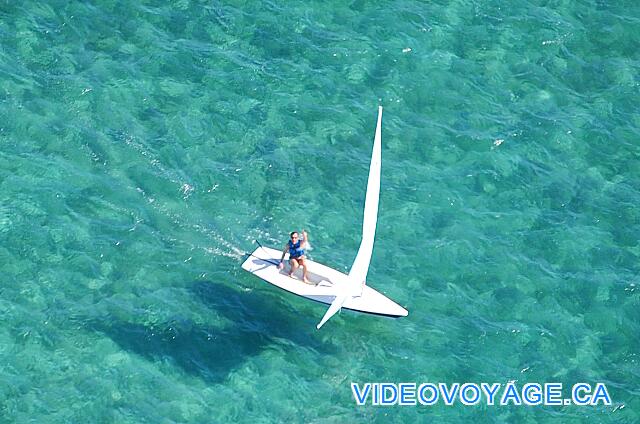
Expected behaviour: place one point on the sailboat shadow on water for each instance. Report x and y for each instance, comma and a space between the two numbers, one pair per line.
212, 353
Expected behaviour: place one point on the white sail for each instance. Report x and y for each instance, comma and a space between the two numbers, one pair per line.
360, 267
335, 306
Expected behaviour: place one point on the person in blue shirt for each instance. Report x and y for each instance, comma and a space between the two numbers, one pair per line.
295, 246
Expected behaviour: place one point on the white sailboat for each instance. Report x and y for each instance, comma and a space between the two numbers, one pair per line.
327, 285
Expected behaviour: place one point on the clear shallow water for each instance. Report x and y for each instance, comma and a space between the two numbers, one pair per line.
145, 146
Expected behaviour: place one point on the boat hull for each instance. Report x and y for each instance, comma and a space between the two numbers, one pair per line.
325, 284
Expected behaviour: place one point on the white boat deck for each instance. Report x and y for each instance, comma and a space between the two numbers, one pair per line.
325, 283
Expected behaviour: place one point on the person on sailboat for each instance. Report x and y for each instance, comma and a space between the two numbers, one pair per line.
295, 246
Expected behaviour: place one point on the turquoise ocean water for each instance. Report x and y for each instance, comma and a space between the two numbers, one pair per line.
145, 145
